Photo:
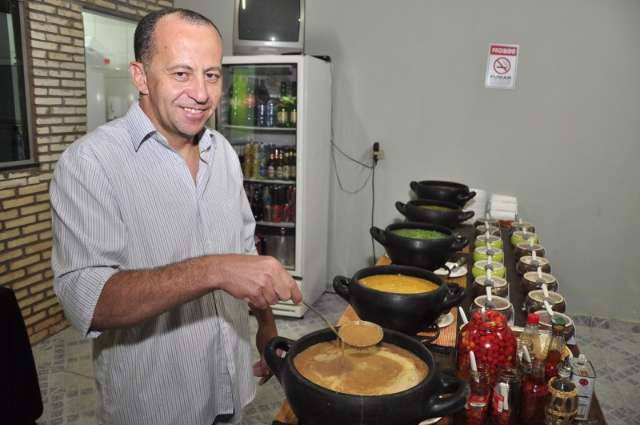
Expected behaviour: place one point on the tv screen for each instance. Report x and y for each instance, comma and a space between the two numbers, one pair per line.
268, 26
270, 20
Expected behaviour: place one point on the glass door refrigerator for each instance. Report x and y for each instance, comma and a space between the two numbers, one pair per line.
276, 112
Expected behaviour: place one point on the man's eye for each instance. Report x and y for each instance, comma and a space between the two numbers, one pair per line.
181, 76
212, 77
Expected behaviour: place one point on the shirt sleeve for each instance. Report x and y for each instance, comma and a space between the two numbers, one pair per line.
89, 236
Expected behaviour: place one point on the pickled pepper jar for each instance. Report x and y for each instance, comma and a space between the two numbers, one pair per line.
477, 406
534, 395
490, 338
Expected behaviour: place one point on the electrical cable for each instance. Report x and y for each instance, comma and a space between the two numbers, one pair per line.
373, 206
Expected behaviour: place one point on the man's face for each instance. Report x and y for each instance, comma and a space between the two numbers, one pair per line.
182, 78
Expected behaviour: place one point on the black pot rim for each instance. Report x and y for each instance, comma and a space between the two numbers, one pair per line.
399, 269
431, 374
448, 184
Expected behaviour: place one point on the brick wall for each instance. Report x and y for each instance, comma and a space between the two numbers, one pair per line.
55, 40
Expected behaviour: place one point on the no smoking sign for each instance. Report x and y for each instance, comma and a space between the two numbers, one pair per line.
501, 66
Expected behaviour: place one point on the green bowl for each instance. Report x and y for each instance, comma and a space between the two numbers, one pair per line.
494, 241
480, 253
520, 237
480, 269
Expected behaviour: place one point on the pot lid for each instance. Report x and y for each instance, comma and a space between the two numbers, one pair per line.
483, 228
499, 303
495, 281
526, 246
538, 295
484, 264
489, 239
525, 235
545, 277
488, 250
544, 318
528, 260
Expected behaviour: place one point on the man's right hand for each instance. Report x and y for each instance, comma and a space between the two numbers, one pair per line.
259, 280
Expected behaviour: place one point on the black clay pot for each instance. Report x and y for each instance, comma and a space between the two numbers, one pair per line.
315, 405
415, 211
428, 254
407, 313
456, 193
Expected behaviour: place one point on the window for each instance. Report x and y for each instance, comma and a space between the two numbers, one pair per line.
14, 121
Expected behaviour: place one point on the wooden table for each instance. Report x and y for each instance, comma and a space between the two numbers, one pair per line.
286, 416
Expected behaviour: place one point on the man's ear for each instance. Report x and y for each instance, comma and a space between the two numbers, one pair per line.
139, 77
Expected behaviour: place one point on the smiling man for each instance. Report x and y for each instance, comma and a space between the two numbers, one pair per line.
154, 253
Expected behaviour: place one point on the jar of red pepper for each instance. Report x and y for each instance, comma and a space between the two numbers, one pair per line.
477, 406
490, 338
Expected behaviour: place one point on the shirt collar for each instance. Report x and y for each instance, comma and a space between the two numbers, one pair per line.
141, 129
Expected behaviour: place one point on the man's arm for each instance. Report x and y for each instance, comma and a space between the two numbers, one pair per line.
131, 297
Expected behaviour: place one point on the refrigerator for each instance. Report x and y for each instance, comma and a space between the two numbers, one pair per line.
276, 112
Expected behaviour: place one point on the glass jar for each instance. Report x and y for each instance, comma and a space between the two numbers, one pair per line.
490, 338
535, 301
527, 263
499, 304
505, 401
526, 248
533, 280
477, 406
498, 286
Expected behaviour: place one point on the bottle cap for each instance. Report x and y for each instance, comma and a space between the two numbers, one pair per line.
533, 318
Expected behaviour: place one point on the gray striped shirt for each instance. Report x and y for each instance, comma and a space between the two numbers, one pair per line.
123, 199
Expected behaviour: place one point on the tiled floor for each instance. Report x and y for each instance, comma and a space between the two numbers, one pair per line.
66, 371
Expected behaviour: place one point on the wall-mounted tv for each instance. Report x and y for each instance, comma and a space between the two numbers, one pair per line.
268, 27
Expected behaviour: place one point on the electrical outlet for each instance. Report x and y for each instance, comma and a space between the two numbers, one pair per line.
377, 153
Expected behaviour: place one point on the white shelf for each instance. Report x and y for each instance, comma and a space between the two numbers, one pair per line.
274, 224
270, 181
266, 129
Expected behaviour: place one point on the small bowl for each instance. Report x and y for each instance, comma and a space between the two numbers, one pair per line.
527, 264
520, 225
480, 268
493, 241
491, 221
500, 304
530, 282
519, 237
481, 229
484, 252
545, 323
499, 286
535, 301
526, 249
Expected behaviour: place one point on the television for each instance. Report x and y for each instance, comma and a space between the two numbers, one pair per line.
264, 27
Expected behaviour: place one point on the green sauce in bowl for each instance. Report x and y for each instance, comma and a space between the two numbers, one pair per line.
421, 234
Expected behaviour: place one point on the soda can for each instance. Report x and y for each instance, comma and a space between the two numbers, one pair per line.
583, 375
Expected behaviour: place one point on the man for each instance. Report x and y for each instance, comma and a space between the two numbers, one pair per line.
153, 242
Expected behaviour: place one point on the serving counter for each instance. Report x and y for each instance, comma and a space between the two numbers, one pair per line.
443, 347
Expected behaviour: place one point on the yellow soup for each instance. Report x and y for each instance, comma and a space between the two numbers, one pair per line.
398, 284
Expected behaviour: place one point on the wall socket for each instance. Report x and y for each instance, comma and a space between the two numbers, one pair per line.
377, 153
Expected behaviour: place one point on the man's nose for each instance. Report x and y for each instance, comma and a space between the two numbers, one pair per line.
198, 90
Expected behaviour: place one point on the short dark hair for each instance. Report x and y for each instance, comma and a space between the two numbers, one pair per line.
143, 37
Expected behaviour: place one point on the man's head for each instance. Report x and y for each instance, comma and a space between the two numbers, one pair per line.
177, 71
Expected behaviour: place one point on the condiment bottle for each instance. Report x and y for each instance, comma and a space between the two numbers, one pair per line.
534, 395
562, 406
556, 348
530, 337
477, 406
505, 402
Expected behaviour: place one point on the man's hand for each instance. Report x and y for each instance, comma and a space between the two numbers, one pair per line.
259, 280
266, 330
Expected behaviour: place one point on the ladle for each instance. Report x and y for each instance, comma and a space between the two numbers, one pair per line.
355, 339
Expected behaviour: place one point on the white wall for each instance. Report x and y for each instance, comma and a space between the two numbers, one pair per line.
410, 74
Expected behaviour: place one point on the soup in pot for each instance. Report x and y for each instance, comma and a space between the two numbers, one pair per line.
379, 370
398, 284
422, 234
